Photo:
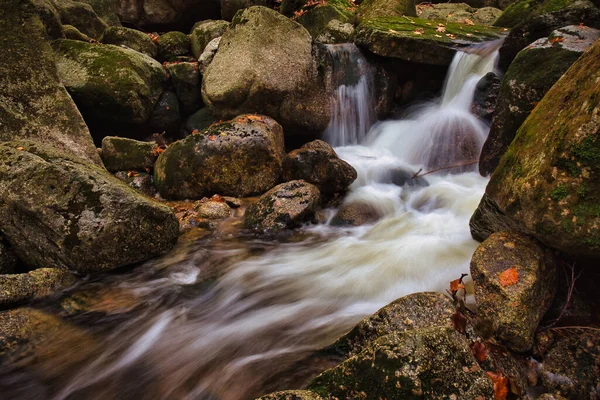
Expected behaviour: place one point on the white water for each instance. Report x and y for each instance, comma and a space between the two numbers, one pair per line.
276, 303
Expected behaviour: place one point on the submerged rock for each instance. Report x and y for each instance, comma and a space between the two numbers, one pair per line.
91, 221
204, 32
285, 206
122, 154
526, 82
356, 214
39, 283
132, 38
240, 157
515, 282
33, 103
546, 183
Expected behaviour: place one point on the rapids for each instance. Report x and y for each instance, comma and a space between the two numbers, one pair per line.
232, 318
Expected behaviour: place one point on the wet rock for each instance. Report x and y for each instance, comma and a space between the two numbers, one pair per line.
336, 32
459, 12
421, 363
525, 83
92, 221
166, 116
356, 214
523, 10
208, 54
173, 44
515, 283
204, 32
240, 157
317, 163
140, 181
371, 9
8, 259
395, 37
132, 38
402, 176
74, 34
185, 78
292, 395
546, 182
230, 7
80, 15
198, 121
193, 214
122, 154
486, 96
109, 82
33, 103
571, 366
287, 205
316, 19
265, 63
50, 18
39, 283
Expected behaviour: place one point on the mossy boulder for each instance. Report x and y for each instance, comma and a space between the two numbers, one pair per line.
461, 13
515, 283
73, 33
59, 212
547, 182
291, 395
33, 103
230, 7
286, 206
372, 9
50, 18
316, 19
39, 283
109, 82
526, 82
316, 162
521, 10
185, 79
123, 154
417, 40
432, 363
265, 64
336, 32
173, 44
81, 15
240, 157
132, 38
205, 31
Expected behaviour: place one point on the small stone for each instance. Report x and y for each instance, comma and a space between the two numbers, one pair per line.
123, 154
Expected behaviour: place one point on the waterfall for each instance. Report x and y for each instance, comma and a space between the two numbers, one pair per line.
352, 109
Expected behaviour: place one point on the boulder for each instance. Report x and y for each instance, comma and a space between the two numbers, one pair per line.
291, 395
546, 184
421, 363
287, 205
109, 82
140, 181
356, 214
523, 10
371, 9
185, 78
39, 283
208, 54
240, 157
132, 38
316, 19
166, 115
50, 18
265, 64
204, 32
198, 121
59, 212
230, 7
122, 154
33, 103
173, 44
74, 34
195, 214
417, 40
316, 162
486, 96
81, 15
515, 283
459, 12
526, 82
336, 32
8, 260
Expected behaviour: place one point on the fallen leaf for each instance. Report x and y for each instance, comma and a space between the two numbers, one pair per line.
438, 35
157, 151
211, 137
459, 322
440, 29
255, 118
20, 148
469, 22
469, 34
500, 385
480, 351
195, 131
418, 31
451, 36
509, 277
557, 39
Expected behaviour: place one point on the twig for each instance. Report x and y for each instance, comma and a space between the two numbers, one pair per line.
562, 328
569, 295
442, 168
416, 175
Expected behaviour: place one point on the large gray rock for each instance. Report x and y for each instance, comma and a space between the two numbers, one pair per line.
532, 73
240, 157
265, 64
59, 212
110, 82
515, 282
33, 103
132, 38
205, 31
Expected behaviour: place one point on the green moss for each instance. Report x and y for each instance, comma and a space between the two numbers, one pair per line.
559, 193
588, 151
521, 10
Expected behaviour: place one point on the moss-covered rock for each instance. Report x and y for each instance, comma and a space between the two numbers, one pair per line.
265, 64
173, 44
287, 205
533, 72
317, 163
230, 7
240, 157
521, 10
8, 259
109, 82
547, 182
107, 10
33, 103
122, 154
515, 282
291, 395
185, 78
132, 38
59, 212
432, 363
461, 13
418, 40
50, 18
316, 19
81, 15
39, 283
372, 9
74, 34
336, 32
205, 31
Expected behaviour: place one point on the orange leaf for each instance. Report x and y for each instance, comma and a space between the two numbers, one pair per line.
456, 285
195, 131
211, 137
509, 277
557, 39
459, 322
157, 150
480, 351
20, 148
500, 385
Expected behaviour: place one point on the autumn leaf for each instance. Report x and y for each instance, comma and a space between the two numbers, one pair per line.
157, 151
480, 351
451, 36
457, 285
195, 131
469, 22
459, 322
557, 39
418, 31
255, 118
211, 137
440, 29
509, 277
500, 385
20, 148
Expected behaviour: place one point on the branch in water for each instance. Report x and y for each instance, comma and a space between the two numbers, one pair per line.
418, 174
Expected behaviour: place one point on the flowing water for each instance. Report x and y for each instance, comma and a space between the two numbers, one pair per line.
230, 317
